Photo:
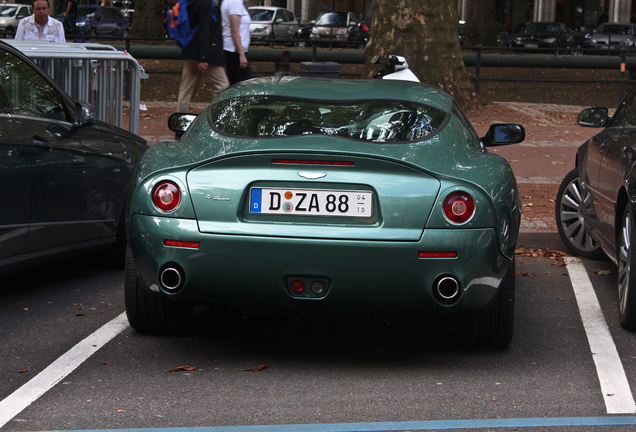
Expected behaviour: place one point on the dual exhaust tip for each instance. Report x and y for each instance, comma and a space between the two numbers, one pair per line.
172, 278
446, 289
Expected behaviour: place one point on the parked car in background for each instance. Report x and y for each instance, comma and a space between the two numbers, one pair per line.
67, 173
595, 208
310, 196
542, 35
95, 21
340, 28
271, 23
612, 36
303, 35
126, 7
10, 16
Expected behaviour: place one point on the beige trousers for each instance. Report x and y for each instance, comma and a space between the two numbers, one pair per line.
192, 78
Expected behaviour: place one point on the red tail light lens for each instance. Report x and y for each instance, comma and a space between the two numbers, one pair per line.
166, 196
365, 27
459, 207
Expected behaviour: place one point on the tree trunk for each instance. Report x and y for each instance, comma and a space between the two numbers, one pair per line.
148, 19
481, 23
426, 32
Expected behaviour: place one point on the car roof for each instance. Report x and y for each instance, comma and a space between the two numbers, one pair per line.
323, 89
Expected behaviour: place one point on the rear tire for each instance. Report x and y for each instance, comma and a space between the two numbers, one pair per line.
570, 219
494, 328
149, 313
626, 263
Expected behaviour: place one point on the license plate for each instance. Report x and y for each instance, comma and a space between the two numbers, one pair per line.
532, 45
311, 202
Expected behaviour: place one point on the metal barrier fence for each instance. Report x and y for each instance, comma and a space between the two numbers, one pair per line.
91, 72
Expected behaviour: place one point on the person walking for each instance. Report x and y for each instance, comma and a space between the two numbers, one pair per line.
70, 15
236, 39
40, 26
203, 57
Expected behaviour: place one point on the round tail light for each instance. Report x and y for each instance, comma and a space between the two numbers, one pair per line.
459, 207
166, 196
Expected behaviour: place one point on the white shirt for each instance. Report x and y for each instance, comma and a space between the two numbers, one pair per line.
28, 29
235, 7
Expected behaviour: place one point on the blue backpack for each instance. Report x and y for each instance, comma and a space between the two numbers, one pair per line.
179, 25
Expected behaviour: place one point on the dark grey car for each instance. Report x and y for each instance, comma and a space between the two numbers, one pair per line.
596, 202
67, 174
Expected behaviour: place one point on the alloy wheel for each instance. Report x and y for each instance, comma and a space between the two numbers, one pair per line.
572, 221
624, 261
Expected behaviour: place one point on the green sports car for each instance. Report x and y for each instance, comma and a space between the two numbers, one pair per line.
312, 196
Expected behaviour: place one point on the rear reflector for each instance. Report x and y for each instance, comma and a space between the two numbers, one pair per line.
438, 254
184, 244
312, 162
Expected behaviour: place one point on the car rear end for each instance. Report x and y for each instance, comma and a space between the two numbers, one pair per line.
325, 219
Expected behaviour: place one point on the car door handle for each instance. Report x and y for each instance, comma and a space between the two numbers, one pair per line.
40, 143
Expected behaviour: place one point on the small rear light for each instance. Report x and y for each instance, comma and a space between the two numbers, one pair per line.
365, 27
312, 162
183, 244
459, 207
298, 287
438, 254
166, 196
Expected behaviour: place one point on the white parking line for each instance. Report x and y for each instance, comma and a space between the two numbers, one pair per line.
13, 404
614, 385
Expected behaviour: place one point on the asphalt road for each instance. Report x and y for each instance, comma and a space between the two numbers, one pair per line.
281, 373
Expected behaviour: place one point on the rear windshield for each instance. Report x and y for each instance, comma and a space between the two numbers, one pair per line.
384, 121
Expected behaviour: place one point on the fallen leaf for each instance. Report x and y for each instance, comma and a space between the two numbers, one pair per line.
561, 299
604, 272
260, 368
518, 273
105, 364
80, 314
514, 161
119, 410
527, 205
182, 368
23, 370
25, 309
557, 163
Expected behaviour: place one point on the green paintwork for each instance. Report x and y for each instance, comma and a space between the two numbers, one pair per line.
244, 259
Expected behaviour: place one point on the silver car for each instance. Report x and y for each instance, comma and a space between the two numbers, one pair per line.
271, 23
10, 16
612, 36
339, 28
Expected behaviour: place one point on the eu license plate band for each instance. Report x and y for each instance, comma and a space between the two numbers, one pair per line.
311, 202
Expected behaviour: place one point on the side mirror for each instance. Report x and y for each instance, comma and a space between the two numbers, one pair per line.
84, 114
179, 122
503, 134
593, 117
279, 20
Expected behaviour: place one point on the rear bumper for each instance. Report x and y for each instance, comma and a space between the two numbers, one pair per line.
363, 277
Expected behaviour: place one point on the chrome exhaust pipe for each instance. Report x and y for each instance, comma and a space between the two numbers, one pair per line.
447, 289
171, 278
